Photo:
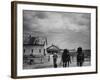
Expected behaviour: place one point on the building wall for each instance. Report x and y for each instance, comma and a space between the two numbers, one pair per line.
37, 50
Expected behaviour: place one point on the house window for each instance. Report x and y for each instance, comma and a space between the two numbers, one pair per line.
39, 50
32, 50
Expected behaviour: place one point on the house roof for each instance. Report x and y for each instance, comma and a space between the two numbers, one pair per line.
53, 47
36, 41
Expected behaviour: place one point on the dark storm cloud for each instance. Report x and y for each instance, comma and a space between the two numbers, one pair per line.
64, 29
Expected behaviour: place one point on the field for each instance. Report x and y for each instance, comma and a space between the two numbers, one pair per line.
38, 62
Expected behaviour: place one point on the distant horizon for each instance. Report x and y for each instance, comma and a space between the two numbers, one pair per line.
54, 43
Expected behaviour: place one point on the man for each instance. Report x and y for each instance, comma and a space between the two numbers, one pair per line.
80, 57
55, 60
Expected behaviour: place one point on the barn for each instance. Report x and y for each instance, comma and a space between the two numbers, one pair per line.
53, 49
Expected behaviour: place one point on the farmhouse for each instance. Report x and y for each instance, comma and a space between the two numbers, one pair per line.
35, 45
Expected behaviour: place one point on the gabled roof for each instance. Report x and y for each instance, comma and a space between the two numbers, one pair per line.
53, 47
35, 41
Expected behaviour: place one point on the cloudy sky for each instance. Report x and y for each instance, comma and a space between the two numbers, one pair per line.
64, 29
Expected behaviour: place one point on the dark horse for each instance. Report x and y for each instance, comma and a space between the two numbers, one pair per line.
66, 58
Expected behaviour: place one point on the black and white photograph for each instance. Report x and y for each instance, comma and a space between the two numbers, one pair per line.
56, 39
53, 39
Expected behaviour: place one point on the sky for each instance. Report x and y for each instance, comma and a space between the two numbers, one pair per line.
63, 29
